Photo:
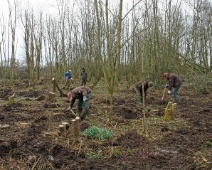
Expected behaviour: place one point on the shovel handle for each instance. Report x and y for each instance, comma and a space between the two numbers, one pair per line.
73, 112
163, 94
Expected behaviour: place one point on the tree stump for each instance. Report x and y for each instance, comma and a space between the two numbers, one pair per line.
66, 125
71, 129
168, 112
169, 105
11, 99
174, 109
52, 96
74, 128
55, 85
62, 130
77, 126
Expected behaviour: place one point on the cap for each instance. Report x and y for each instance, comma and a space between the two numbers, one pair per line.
150, 84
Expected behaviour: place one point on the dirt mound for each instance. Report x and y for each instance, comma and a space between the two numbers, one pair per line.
6, 146
37, 127
51, 105
131, 139
84, 126
41, 98
127, 113
30, 93
4, 93
12, 106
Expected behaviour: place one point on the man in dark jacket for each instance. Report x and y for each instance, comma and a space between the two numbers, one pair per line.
138, 89
83, 94
84, 77
173, 81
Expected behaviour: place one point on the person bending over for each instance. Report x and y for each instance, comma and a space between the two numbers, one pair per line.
83, 95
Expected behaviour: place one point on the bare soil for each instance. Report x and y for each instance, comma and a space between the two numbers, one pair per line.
29, 131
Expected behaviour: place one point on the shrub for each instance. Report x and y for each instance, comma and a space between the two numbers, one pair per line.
97, 133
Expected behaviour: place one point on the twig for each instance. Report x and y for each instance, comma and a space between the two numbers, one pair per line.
79, 148
35, 164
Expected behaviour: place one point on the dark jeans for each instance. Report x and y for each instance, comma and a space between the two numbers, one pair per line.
138, 95
83, 107
68, 83
83, 82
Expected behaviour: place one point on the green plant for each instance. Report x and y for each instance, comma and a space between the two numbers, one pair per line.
130, 151
117, 152
208, 144
91, 155
97, 133
94, 155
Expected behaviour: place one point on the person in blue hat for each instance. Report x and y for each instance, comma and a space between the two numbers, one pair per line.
68, 78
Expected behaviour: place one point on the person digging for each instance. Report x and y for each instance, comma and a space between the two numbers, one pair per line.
83, 94
138, 89
173, 81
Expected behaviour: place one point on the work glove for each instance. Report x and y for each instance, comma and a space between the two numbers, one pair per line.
84, 98
169, 92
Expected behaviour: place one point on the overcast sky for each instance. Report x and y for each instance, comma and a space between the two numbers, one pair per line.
46, 6
49, 7
37, 5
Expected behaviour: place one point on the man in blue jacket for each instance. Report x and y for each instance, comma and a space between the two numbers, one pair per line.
68, 78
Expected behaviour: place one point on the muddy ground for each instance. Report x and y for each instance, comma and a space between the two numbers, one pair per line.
29, 131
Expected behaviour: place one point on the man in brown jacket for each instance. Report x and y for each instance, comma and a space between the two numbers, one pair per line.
173, 81
83, 94
138, 89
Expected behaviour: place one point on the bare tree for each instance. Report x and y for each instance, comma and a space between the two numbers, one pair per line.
13, 24
3, 47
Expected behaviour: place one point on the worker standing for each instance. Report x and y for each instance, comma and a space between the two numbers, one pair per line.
68, 77
173, 81
84, 77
